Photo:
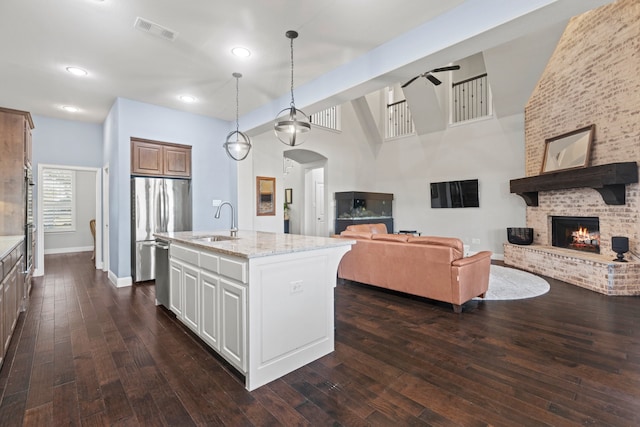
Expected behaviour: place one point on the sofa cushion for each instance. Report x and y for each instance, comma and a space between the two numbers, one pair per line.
356, 234
390, 237
441, 241
369, 228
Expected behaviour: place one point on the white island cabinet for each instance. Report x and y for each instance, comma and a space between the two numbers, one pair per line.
263, 301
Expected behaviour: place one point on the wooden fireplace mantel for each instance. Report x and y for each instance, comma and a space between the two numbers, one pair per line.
609, 180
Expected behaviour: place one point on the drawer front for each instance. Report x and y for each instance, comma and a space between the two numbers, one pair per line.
210, 262
233, 269
185, 254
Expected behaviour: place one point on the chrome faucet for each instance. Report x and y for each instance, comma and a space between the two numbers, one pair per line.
234, 229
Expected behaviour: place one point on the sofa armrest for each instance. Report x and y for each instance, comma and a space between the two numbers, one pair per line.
470, 277
478, 257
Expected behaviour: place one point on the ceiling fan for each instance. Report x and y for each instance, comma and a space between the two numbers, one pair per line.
433, 79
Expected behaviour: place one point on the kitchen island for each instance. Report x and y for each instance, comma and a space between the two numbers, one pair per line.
263, 301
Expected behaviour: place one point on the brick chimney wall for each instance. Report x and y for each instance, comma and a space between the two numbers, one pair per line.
593, 77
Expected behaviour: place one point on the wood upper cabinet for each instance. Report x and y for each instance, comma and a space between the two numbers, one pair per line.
155, 158
15, 154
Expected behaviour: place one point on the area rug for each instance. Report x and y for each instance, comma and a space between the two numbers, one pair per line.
508, 284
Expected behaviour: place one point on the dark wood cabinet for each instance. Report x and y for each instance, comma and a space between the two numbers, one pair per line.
15, 158
155, 158
177, 161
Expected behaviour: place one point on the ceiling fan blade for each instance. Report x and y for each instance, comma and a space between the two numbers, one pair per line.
409, 82
433, 79
449, 68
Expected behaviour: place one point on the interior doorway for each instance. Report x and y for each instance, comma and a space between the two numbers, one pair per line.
305, 173
94, 193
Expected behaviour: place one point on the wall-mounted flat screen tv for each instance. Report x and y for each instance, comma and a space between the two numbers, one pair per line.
455, 194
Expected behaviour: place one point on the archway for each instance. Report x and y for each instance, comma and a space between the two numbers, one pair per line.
305, 172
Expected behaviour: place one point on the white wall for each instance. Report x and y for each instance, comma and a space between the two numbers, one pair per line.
213, 173
490, 150
80, 239
66, 143
349, 167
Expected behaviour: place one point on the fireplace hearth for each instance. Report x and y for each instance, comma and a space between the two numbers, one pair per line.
575, 232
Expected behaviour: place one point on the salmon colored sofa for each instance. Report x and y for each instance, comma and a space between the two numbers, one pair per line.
430, 267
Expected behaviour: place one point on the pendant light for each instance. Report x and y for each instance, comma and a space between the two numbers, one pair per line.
292, 124
237, 144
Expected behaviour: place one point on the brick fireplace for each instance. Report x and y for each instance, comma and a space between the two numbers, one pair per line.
590, 79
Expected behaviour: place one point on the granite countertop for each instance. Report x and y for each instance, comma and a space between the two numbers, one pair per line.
252, 244
7, 243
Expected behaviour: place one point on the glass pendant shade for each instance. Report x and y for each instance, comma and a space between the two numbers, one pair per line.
292, 125
237, 145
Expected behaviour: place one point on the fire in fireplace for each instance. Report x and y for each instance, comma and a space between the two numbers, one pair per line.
581, 233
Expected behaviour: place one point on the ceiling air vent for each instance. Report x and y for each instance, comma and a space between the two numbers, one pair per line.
155, 29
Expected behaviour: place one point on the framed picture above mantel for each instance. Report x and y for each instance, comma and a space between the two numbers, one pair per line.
570, 150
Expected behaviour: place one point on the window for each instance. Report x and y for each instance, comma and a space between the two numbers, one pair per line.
58, 200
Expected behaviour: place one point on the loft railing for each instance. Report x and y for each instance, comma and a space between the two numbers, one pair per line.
471, 99
399, 121
328, 118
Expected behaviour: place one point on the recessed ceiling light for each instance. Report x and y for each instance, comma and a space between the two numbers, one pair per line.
70, 108
187, 98
241, 52
76, 71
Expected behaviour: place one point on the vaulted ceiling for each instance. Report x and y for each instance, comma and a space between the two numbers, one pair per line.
346, 48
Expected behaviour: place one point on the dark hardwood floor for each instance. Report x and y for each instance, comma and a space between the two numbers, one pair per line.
86, 353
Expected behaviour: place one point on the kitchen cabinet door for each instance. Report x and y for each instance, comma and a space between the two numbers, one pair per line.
190, 286
146, 158
177, 161
28, 144
2, 328
233, 301
175, 283
9, 306
210, 309
15, 125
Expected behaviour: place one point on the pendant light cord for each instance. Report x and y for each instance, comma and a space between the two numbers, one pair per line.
237, 102
293, 104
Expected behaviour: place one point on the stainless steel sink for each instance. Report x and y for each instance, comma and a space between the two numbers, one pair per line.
215, 238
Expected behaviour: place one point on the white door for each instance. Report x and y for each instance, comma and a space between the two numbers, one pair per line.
314, 206
321, 226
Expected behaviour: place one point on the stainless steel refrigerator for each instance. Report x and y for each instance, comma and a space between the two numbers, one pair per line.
157, 205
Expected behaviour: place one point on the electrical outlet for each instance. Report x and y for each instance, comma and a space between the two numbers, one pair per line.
216, 203
475, 241
296, 287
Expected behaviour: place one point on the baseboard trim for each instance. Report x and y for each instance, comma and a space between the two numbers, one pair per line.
119, 282
54, 251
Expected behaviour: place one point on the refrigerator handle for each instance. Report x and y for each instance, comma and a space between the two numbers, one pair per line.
160, 210
165, 213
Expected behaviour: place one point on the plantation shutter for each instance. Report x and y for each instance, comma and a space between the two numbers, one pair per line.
58, 210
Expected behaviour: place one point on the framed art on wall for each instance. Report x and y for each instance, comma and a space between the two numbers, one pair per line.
568, 151
265, 196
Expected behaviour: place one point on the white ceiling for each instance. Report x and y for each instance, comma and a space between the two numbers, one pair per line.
42, 37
